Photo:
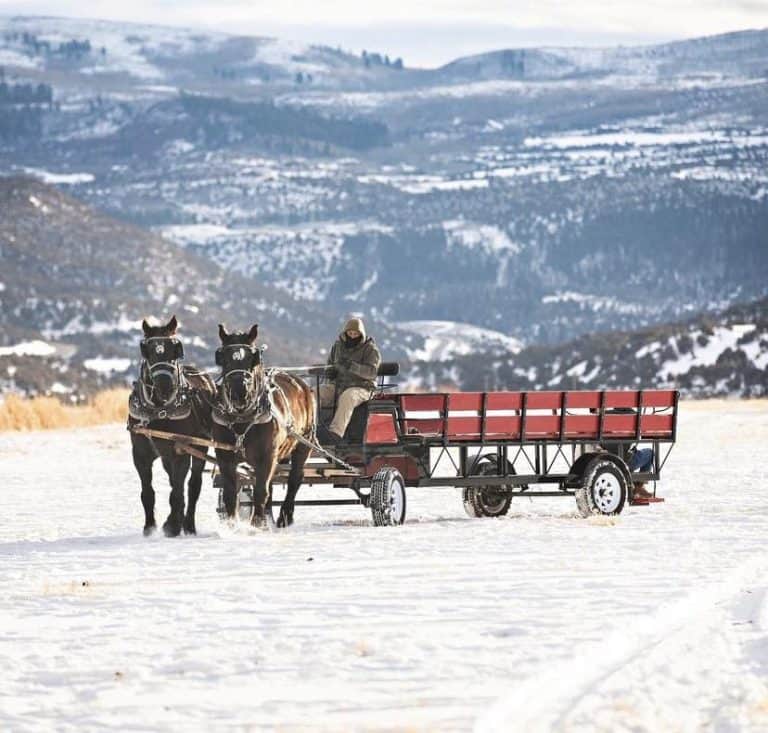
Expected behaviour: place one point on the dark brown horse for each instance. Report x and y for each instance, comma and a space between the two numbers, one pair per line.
175, 399
259, 412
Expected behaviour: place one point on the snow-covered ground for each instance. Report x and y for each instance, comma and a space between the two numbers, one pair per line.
654, 621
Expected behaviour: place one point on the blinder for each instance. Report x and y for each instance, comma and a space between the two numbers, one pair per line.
238, 356
177, 348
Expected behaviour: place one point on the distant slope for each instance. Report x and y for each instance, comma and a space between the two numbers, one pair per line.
149, 58
136, 55
535, 194
712, 355
743, 52
75, 285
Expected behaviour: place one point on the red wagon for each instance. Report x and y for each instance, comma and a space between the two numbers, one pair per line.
494, 446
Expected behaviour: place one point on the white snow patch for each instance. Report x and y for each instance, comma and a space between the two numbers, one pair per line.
28, 348
482, 236
60, 178
76, 325
461, 184
586, 378
444, 340
577, 370
287, 54
38, 204
721, 339
179, 147
11, 58
626, 138
594, 302
647, 349
369, 282
196, 233
105, 365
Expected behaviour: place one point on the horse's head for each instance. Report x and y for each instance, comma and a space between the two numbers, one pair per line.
161, 352
241, 369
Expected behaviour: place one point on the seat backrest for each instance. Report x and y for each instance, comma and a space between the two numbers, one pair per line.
389, 369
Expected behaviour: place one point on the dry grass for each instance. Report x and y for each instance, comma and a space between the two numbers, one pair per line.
45, 413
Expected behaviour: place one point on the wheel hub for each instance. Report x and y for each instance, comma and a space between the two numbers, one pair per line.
492, 500
606, 492
395, 500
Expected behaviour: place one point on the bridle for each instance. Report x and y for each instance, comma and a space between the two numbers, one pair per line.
242, 360
171, 351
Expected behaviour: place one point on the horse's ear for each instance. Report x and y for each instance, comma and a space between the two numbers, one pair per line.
145, 327
253, 334
173, 324
222, 332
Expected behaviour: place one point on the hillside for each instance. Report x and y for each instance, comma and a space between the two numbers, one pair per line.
539, 193
722, 354
75, 285
527, 196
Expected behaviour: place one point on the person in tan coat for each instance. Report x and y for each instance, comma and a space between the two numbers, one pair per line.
355, 359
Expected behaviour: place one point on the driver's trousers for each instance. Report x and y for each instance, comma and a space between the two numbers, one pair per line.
346, 402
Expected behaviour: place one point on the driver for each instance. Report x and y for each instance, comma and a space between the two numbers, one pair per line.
355, 360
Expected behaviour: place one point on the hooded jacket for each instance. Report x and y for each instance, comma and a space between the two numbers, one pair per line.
356, 364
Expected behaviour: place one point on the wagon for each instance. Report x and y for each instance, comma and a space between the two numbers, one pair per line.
494, 446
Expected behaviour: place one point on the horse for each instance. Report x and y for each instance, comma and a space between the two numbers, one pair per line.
261, 412
176, 399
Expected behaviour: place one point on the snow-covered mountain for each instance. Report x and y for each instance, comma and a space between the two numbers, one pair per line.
147, 58
538, 194
75, 285
741, 53
714, 355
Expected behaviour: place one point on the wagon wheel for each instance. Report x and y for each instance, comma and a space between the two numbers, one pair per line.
486, 501
387, 500
244, 500
603, 489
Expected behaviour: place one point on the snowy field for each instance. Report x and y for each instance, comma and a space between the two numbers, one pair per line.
657, 621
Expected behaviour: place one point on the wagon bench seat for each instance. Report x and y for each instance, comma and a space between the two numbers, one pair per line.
523, 416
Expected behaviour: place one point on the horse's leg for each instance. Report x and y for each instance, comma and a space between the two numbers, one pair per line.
193, 493
143, 458
177, 467
262, 456
228, 468
295, 477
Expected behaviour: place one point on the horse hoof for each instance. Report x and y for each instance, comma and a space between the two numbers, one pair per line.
171, 529
283, 521
189, 526
149, 530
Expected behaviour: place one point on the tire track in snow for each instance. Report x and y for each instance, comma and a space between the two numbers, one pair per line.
558, 700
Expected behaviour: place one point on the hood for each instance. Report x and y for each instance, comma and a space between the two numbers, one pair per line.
354, 324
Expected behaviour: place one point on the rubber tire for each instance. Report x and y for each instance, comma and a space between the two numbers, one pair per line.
242, 511
384, 480
598, 469
475, 499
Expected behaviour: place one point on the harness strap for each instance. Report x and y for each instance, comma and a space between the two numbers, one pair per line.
315, 446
